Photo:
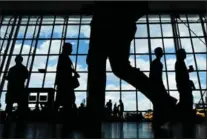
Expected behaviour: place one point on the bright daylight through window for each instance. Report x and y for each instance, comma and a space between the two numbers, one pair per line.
39, 39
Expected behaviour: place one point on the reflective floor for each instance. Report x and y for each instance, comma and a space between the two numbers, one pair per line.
125, 130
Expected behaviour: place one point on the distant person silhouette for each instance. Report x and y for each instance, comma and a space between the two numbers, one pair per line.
16, 93
115, 110
184, 86
109, 107
65, 92
121, 109
112, 21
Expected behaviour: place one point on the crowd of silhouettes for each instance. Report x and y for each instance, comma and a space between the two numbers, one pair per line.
116, 112
117, 51
18, 74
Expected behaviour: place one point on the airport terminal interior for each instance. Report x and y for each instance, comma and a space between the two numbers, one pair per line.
38, 34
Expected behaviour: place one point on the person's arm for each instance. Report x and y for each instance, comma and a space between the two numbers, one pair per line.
75, 72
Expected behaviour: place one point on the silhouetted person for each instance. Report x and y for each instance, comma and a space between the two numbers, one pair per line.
109, 107
81, 110
156, 68
184, 86
115, 110
65, 92
111, 19
82, 114
121, 109
16, 93
156, 77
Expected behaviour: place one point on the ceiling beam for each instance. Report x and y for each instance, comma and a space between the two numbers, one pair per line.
87, 7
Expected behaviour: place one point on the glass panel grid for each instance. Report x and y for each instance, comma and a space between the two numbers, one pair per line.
39, 40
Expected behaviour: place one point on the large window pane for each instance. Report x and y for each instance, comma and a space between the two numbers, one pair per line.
171, 80
39, 63
46, 31
196, 29
86, 19
50, 80
169, 46
72, 31
197, 97
203, 78
52, 63
142, 19
141, 46
17, 47
199, 45
167, 30
183, 30
43, 47
129, 100
57, 33
126, 86
170, 61
85, 31
155, 30
155, 43
83, 47
112, 83
201, 61
74, 20
83, 81
82, 66
80, 98
153, 18
141, 30
114, 96
143, 103
143, 62
31, 31
186, 44
36, 80
165, 18
21, 32
55, 47
27, 47
190, 60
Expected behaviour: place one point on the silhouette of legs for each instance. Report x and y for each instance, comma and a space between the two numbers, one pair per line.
112, 40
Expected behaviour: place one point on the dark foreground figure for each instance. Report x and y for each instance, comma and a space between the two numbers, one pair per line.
112, 29
185, 86
16, 93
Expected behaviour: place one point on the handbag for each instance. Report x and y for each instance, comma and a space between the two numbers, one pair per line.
75, 83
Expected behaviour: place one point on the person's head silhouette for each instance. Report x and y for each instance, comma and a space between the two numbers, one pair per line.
18, 60
109, 100
67, 48
181, 54
158, 52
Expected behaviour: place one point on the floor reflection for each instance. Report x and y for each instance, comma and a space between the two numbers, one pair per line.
119, 130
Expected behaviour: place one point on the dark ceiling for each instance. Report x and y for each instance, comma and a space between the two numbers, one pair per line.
87, 7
